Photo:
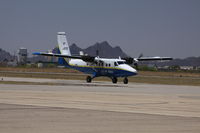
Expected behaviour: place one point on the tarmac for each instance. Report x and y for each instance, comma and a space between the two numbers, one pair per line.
78, 107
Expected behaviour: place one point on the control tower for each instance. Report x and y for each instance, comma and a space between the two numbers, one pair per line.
22, 56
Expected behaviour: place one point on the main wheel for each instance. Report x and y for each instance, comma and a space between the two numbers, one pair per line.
114, 80
125, 80
88, 79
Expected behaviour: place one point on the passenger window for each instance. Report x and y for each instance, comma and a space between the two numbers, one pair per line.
115, 63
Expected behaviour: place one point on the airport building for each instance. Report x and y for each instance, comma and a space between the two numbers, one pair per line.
22, 56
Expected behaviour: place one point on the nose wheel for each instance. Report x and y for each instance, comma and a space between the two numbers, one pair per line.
125, 80
89, 79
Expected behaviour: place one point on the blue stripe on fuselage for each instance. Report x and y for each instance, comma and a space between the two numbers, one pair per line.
109, 72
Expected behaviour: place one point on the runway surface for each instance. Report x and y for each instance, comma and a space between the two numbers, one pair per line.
75, 106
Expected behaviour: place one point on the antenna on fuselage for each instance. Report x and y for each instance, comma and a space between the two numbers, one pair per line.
97, 52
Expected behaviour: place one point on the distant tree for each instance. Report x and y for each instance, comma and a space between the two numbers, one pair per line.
175, 67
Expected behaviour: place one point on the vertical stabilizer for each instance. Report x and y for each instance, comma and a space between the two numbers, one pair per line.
63, 44
63, 48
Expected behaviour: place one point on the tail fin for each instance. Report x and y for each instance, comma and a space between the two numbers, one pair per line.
63, 44
63, 48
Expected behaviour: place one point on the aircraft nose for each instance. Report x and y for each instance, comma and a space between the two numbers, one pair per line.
131, 71
134, 71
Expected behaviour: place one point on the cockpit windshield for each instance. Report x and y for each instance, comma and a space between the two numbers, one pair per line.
121, 62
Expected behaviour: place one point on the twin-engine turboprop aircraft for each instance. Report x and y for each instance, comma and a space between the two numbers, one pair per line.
96, 66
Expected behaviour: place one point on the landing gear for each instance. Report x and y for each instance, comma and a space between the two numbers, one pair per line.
89, 79
125, 80
114, 80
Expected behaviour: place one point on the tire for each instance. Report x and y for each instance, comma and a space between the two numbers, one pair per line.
114, 80
88, 79
126, 80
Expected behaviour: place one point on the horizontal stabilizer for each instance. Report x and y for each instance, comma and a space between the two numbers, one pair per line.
84, 58
56, 55
36, 53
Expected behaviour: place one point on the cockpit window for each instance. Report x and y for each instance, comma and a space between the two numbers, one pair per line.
120, 62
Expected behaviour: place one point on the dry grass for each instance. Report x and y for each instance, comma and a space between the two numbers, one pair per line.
171, 74
27, 83
166, 80
66, 70
173, 78
57, 70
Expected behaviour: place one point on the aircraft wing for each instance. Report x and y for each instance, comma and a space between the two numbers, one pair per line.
156, 58
130, 60
84, 58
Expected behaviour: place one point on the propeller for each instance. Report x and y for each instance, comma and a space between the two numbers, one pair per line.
134, 61
88, 58
129, 60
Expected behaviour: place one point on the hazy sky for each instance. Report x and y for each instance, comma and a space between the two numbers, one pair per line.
152, 27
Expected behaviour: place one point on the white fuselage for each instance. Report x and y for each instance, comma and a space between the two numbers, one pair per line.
104, 67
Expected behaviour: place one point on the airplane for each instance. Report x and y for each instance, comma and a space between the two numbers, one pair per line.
96, 66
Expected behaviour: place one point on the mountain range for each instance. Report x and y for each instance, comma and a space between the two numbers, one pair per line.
190, 61
5, 56
104, 49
